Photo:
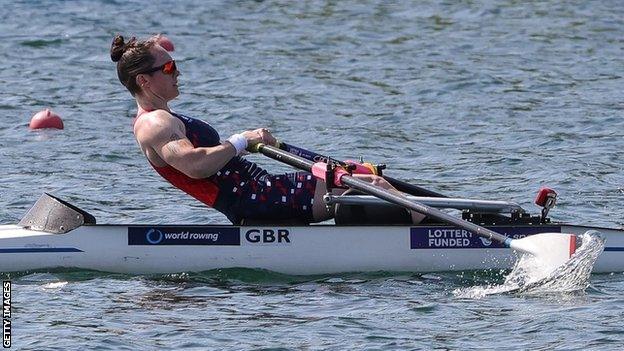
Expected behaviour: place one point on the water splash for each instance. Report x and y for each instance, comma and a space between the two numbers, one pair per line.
55, 285
526, 278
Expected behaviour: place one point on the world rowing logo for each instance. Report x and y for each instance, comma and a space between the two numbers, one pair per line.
485, 242
179, 235
154, 236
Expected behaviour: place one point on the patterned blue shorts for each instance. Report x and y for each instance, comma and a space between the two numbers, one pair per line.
282, 197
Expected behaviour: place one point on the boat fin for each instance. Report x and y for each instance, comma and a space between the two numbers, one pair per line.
53, 215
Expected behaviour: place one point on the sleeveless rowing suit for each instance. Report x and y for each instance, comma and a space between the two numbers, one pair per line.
242, 190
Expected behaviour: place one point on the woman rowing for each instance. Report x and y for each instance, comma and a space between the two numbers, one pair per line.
189, 153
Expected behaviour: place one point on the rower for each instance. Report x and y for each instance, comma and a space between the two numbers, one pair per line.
190, 154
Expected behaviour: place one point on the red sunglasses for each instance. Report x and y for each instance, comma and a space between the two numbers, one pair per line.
168, 68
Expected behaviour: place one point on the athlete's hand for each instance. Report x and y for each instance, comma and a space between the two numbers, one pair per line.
260, 135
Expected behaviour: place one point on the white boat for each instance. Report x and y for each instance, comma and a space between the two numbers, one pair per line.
56, 234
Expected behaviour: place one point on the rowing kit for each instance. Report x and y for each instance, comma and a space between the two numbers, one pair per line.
370, 234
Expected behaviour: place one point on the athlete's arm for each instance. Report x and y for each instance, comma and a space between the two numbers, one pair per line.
165, 134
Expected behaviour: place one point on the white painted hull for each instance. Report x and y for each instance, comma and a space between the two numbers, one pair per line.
316, 249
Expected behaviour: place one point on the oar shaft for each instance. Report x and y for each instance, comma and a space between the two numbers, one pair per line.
398, 184
358, 184
421, 208
286, 157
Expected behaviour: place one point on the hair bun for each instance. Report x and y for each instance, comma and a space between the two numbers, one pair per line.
118, 47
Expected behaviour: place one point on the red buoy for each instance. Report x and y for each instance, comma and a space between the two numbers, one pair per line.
165, 42
46, 119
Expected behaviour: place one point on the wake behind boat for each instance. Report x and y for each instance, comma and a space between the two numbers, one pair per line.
55, 234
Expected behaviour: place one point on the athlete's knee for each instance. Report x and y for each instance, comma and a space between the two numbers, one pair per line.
373, 179
379, 181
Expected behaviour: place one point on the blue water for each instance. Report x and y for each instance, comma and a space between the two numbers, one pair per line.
483, 99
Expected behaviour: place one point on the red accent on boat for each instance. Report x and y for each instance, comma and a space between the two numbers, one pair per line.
542, 196
359, 168
338, 173
572, 245
319, 169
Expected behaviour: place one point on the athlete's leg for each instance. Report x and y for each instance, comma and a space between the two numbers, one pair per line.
380, 182
321, 212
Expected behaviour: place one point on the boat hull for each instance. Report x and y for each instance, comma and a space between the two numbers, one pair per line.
298, 250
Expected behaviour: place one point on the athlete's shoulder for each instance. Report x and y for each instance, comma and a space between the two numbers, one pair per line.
155, 116
156, 119
155, 124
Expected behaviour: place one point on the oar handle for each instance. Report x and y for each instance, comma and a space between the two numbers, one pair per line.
366, 187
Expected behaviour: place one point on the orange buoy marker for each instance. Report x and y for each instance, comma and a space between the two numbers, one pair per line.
46, 119
165, 42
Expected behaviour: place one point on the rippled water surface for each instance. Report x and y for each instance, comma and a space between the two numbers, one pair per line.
484, 99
